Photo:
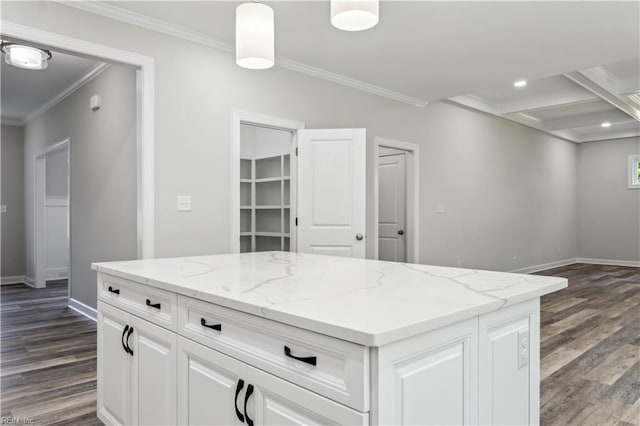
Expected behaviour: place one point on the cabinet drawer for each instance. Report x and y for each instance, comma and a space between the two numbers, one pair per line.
341, 369
153, 304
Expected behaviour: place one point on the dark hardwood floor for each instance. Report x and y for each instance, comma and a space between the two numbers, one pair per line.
48, 358
590, 349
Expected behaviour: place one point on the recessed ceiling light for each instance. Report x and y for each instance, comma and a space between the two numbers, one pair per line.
26, 57
606, 124
520, 83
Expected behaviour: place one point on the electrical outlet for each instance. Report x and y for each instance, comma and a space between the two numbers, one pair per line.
440, 208
3, 208
184, 203
523, 348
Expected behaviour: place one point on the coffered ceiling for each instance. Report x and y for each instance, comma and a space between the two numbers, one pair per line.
573, 106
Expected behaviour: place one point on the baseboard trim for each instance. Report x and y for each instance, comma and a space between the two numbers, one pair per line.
30, 281
544, 266
611, 262
13, 279
60, 273
83, 309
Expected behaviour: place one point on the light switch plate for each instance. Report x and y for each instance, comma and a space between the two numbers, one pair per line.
440, 208
184, 203
523, 348
3, 208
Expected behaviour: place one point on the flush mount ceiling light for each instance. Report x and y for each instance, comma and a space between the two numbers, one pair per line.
354, 15
26, 57
254, 36
606, 124
520, 83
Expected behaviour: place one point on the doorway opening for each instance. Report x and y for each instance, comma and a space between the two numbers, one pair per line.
51, 214
264, 183
396, 199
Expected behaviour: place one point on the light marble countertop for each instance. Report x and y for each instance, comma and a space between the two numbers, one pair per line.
367, 302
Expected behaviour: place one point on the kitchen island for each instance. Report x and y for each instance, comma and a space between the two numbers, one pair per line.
289, 338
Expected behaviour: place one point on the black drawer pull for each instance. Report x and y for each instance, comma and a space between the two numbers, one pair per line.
309, 360
114, 290
246, 401
153, 305
239, 387
126, 328
203, 322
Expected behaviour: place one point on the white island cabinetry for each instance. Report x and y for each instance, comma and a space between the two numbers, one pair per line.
266, 339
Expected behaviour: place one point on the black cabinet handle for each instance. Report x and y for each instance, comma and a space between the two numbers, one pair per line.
239, 387
309, 360
114, 290
126, 327
203, 322
153, 305
127, 340
246, 401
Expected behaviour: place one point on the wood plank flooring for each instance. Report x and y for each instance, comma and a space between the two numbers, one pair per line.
48, 358
590, 349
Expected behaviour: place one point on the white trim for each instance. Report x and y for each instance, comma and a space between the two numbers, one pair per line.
611, 262
30, 281
544, 266
57, 201
145, 116
57, 273
14, 279
633, 182
178, 31
413, 195
244, 117
83, 309
93, 73
12, 122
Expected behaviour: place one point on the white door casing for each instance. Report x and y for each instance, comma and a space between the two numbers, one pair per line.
392, 208
331, 191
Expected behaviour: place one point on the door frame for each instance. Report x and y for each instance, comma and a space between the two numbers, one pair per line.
412, 195
262, 120
39, 213
145, 118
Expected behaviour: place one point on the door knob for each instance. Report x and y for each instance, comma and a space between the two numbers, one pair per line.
359, 237
400, 232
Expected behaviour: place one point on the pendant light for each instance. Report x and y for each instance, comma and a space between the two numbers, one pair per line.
354, 15
254, 36
27, 57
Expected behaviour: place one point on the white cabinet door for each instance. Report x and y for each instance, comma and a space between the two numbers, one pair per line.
429, 379
114, 366
211, 386
153, 374
276, 402
510, 377
331, 191
392, 240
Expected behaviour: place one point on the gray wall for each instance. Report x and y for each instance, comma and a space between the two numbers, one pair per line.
56, 169
12, 153
608, 212
103, 174
510, 190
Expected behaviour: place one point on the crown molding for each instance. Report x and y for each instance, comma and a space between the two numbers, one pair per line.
137, 19
93, 73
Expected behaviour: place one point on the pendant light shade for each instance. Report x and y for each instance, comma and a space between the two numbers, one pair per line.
354, 15
26, 57
254, 36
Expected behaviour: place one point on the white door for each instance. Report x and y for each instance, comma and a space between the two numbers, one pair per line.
276, 402
114, 366
211, 386
153, 374
331, 191
392, 239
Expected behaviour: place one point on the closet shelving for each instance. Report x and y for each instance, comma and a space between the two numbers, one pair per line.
265, 186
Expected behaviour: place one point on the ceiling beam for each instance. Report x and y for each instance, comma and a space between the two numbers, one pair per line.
541, 102
582, 120
594, 81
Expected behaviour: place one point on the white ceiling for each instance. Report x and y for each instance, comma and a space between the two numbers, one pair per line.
24, 92
573, 105
433, 50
